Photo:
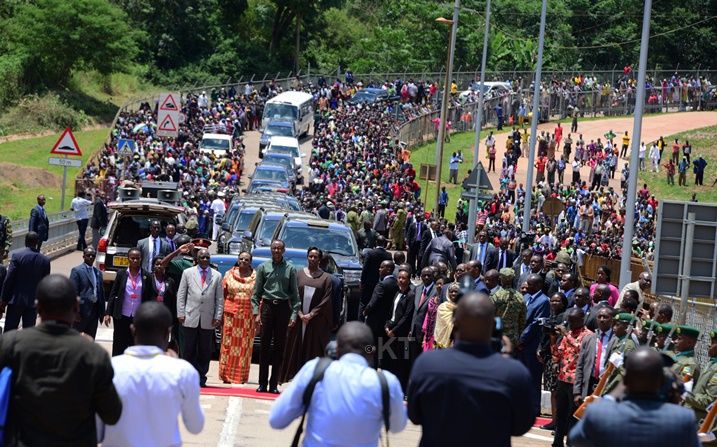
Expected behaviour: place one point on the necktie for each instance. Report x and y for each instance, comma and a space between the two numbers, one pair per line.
94, 283
155, 250
423, 297
598, 358
418, 230
501, 261
204, 276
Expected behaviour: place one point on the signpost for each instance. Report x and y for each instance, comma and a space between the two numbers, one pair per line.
66, 145
168, 117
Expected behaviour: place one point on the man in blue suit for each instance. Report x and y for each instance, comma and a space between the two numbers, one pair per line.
91, 290
39, 223
640, 418
538, 307
27, 268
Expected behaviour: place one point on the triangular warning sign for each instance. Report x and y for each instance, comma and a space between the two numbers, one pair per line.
169, 103
168, 125
66, 145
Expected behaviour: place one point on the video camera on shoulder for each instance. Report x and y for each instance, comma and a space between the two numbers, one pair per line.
550, 326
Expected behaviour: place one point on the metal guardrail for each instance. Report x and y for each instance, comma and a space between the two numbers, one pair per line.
61, 236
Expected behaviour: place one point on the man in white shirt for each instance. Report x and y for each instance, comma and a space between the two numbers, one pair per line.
346, 408
155, 388
79, 206
218, 209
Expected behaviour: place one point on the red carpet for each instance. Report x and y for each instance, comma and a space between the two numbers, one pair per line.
237, 392
541, 421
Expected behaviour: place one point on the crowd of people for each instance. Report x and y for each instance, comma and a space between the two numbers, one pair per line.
434, 292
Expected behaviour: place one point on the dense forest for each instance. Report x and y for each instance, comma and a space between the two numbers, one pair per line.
173, 42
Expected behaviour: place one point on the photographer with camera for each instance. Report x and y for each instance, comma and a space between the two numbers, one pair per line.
558, 315
565, 349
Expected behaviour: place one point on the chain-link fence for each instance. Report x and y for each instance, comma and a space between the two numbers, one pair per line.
699, 314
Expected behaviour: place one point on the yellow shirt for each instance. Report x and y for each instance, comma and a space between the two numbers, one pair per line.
625, 140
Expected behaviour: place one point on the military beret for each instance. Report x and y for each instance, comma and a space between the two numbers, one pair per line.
688, 331
564, 257
201, 243
623, 317
507, 273
665, 328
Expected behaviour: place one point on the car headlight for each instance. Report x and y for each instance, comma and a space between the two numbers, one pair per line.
234, 248
352, 275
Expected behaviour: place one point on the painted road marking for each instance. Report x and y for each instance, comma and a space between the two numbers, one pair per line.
231, 423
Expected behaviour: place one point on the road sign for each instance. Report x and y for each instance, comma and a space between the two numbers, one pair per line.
167, 124
168, 115
126, 148
169, 103
478, 178
65, 162
427, 172
552, 207
67, 145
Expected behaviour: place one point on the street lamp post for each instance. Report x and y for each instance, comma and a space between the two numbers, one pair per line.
444, 103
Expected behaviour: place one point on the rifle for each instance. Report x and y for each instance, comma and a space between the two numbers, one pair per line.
580, 412
668, 340
705, 432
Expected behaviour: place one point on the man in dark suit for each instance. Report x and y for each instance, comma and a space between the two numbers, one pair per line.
422, 295
369, 274
482, 250
642, 415
100, 215
440, 249
393, 354
91, 290
569, 283
538, 307
522, 267
26, 270
474, 268
601, 294
39, 223
426, 238
587, 375
52, 363
153, 246
470, 392
500, 258
414, 234
378, 310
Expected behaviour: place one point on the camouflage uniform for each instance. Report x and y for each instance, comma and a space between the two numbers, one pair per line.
397, 228
5, 235
511, 308
353, 221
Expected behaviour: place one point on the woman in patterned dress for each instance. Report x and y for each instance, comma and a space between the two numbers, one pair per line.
238, 330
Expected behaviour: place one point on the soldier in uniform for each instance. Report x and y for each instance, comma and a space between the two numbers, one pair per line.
704, 392
366, 237
686, 364
5, 237
397, 229
622, 342
352, 220
662, 331
510, 307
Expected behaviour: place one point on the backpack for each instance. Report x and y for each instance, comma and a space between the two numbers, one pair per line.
321, 366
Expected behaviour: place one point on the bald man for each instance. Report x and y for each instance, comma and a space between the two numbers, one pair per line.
470, 392
643, 419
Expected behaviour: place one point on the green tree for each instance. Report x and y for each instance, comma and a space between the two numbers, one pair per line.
55, 37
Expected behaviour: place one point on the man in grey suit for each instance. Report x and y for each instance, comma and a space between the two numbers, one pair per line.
200, 304
91, 290
153, 246
440, 249
643, 418
482, 250
39, 223
587, 375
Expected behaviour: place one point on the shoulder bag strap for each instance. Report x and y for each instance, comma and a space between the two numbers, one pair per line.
386, 400
321, 366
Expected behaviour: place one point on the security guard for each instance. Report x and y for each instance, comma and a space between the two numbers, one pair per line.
623, 343
704, 392
686, 364
5, 237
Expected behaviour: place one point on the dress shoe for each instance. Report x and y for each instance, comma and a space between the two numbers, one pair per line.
274, 391
261, 389
550, 426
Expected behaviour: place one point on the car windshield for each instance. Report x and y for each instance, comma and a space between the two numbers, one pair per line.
284, 131
287, 162
293, 151
244, 220
331, 240
267, 229
362, 96
271, 174
276, 110
215, 143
